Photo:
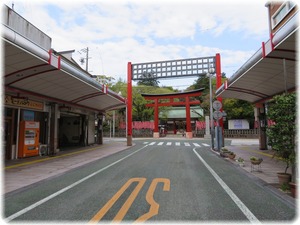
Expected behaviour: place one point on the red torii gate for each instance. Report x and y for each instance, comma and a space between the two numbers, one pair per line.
171, 96
169, 69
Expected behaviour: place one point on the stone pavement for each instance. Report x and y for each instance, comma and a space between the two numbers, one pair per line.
245, 148
23, 172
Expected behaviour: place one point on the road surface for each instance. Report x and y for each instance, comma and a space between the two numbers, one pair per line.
154, 181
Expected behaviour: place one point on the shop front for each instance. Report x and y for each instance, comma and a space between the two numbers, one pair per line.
25, 127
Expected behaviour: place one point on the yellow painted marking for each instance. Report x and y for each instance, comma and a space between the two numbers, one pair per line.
154, 207
122, 212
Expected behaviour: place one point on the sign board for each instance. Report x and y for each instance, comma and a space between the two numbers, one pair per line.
24, 103
217, 105
217, 115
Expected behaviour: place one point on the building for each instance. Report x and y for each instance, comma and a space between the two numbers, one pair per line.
272, 70
49, 101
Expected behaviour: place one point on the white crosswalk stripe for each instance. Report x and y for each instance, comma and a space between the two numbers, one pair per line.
169, 143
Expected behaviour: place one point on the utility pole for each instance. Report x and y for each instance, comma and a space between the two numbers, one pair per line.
86, 59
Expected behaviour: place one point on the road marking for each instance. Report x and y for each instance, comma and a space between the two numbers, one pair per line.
196, 144
169, 143
152, 143
154, 207
160, 143
206, 144
23, 211
177, 143
251, 217
122, 212
146, 142
187, 144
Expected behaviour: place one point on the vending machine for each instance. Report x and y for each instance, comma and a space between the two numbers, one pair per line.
29, 139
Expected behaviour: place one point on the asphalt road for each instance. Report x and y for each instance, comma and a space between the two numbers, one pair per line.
154, 181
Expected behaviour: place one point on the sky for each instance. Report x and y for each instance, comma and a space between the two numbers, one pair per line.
121, 31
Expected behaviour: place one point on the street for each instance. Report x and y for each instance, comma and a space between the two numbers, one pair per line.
154, 181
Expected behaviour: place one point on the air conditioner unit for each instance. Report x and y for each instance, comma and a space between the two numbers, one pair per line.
43, 150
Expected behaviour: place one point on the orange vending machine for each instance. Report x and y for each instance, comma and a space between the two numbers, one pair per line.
29, 139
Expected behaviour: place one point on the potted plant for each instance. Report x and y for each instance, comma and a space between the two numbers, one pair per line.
241, 161
231, 155
282, 133
255, 161
224, 152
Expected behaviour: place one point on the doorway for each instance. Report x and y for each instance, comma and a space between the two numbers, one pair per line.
8, 139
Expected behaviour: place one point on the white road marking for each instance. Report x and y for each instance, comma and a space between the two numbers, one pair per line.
152, 143
146, 142
231, 194
206, 144
23, 211
160, 143
169, 143
196, 144
187, 144
177, 143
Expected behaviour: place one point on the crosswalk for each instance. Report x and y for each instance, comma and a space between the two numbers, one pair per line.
168, 143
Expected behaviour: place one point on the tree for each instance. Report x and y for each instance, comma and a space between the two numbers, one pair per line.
282, 134
148, 79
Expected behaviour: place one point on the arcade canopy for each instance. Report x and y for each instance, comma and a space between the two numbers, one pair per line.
271, 70
34, 69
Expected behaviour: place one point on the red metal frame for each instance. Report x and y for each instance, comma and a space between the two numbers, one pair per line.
187, 103
219, 83
129, 100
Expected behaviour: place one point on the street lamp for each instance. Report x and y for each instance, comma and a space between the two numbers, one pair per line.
210, 73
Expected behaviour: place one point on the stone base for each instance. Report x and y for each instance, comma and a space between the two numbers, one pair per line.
189, 135
207, 136
155, 134
129, 140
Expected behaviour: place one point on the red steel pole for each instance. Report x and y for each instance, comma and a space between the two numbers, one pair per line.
188, 117
218, 84
156, 115
129, 104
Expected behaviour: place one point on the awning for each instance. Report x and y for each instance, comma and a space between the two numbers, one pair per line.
271, 70
33, 71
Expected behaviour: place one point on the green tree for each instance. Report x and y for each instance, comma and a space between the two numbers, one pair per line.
282, 134
148, 79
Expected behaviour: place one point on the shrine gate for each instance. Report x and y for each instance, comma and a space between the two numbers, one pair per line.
187, 103
170, 69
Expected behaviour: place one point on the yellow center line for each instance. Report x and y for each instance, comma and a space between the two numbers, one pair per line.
122, 212
50, 158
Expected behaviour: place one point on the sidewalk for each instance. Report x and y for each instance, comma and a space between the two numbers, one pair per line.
245, 148
23, 172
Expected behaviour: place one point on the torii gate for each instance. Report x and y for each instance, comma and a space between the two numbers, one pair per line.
187, 103
169, 69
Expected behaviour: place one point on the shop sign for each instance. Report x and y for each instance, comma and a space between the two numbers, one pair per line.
23, 102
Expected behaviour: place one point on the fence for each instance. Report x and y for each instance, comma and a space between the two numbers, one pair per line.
145, 129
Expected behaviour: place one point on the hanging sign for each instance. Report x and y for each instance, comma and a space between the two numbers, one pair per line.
23, 102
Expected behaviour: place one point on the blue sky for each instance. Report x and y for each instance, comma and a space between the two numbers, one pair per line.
120, 31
